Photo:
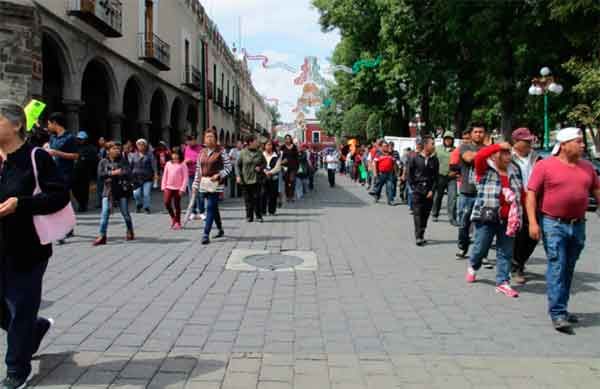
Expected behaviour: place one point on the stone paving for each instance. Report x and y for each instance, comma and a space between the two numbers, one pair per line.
379, 312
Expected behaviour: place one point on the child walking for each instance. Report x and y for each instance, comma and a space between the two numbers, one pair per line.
174, 184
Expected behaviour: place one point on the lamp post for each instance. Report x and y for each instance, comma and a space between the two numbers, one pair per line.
543, 86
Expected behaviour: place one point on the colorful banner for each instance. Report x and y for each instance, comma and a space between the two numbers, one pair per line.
366, 63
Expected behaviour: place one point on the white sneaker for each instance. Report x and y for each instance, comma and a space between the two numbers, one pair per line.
191, 217
203, 216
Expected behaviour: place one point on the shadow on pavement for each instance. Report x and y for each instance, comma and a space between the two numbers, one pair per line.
253, 238
162, 371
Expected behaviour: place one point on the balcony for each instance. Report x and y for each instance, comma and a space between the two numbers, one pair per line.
105, 16
192, 78
154, 50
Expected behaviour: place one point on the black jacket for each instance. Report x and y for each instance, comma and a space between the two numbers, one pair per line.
422, 176
20, 247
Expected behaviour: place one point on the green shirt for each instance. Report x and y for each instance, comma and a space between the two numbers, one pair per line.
443, 155
247, 163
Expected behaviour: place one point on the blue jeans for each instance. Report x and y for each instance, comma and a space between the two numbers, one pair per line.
99, 190
21, 303
212, 213
199, 203
143, 195
563, 244
105, 214
384, 179
465, 208
484, 235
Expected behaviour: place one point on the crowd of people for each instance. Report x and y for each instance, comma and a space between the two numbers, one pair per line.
499, 191
503, 192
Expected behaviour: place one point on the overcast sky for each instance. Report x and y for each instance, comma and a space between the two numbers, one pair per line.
284, 31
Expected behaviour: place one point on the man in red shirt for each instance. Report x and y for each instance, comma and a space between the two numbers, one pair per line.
383, 170
559, 188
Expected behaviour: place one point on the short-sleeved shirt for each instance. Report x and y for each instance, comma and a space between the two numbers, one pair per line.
385, 163
467, 186
563, 190
67, 144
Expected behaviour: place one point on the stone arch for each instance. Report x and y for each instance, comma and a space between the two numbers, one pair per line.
221, 136
99, 97
133, 109
228, 139
192, 119
158, 115
176, 129
57, 73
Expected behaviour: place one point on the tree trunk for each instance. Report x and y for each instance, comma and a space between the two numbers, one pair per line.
425, 109
464, 109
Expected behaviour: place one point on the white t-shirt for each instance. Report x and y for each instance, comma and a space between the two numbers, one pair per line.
332, 161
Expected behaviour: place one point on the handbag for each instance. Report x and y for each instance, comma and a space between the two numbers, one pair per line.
57, 225
489, 215
207, 185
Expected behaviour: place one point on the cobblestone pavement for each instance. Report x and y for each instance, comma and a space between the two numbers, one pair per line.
379, 312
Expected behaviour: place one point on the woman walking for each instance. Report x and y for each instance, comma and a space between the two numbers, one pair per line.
173, 185
23, 259
116, 173
271, 185
290, 166
497, 213
250, 166
144, 171
211, 170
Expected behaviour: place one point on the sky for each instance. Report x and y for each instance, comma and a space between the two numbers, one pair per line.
285, 31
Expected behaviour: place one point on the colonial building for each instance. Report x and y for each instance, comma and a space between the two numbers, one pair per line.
125, 69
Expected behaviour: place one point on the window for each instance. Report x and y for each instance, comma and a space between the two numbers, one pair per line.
316, 137
187, 54
215, 81
228, 90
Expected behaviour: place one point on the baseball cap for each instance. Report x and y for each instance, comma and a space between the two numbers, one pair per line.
82, 135
523, 134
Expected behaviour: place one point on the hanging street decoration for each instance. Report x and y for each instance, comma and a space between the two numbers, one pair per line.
366, 63
265, 62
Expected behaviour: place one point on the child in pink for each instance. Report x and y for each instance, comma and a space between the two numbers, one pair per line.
174, 183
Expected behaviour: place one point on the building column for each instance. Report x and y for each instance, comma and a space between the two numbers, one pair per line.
72, 108
115, 121
144, 126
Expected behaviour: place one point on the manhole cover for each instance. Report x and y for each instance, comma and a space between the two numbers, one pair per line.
273, 261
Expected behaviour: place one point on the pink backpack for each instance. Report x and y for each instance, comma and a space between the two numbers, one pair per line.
57, 225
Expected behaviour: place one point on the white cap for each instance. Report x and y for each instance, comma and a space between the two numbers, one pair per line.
141, 140
565, 135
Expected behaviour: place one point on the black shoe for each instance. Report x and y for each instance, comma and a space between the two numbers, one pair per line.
390, 203
147, 210
138, 209
487, 263
572, 318
205, 240
220, 234
562, 325
435, 219
47, 324
60, 242
13, 382
462, 254
420, 242
70, 234
249, 219
259, 219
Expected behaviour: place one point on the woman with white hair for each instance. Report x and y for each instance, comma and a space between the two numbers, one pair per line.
144, 170
23, 258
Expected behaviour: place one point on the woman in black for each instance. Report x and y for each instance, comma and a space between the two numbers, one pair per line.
271, 184
23, 259
289, 161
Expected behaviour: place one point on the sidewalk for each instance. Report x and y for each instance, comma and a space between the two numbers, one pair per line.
378, 313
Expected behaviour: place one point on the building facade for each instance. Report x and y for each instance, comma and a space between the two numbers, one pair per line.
126, 69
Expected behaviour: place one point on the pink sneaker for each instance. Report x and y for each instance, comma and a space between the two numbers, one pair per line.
507, 290
470, 277
177, 226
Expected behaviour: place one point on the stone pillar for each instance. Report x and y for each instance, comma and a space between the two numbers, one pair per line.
145, 129
114, 127
72, 108
20, 51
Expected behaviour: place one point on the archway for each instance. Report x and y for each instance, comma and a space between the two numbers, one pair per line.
55, 70
221, 136
175, 130
227, 140
95, 94
158, 108
192, 119
132, 106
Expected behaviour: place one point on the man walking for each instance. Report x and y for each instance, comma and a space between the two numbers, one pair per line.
144, 171
234, 154
250, 166
446, 179
85, 166
383, 170
423, 173
468, 189
524, 158
560, 186
331, 160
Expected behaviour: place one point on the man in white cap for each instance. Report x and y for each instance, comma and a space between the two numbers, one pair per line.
560, 186
144, 170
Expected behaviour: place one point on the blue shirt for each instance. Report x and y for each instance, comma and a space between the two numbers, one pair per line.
67, 144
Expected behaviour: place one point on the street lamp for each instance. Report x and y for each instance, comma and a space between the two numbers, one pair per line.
542, 86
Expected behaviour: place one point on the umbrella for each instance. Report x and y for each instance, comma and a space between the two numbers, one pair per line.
190, 208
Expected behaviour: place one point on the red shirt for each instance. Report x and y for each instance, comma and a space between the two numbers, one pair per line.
504, 205
563, 189
385, 163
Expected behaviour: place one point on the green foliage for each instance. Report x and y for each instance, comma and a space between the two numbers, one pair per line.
275, 114
355, 120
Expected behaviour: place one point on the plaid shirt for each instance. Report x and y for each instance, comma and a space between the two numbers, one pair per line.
490, 187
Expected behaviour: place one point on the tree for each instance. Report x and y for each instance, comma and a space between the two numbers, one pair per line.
355, 122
